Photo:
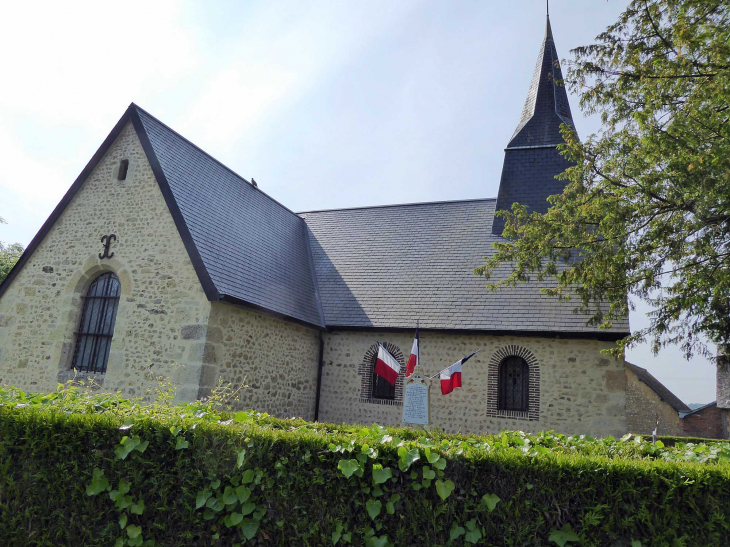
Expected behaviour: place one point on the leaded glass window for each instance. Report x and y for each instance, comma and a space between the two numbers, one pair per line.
514, 384
94, 337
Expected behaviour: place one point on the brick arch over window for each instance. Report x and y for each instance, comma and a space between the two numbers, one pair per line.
366, 374
497, 359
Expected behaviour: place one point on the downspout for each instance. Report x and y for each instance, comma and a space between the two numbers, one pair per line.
319, 377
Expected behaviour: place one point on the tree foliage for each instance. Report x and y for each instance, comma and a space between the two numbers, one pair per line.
646, 209
9, 255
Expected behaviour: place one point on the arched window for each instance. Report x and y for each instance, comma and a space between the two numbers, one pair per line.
382, 389
96, 328
375, 389
514, 384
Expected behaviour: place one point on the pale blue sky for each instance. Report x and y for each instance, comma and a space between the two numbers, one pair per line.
326, 103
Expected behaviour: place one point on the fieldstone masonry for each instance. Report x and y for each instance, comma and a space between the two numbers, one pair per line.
581, 391
644, 407
277, 360
40, 312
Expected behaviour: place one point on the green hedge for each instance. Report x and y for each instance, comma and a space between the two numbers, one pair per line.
102, 471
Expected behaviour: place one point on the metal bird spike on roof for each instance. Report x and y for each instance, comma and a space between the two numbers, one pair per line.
546, 107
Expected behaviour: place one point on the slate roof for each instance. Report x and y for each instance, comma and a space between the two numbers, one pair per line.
547, 106
388, 266
660, 389
254, 248
380, 267
531, 159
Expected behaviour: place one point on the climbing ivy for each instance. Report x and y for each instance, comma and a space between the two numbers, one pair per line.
84, 469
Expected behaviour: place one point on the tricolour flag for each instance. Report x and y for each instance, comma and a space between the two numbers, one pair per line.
413, 359
386, 365
451, 377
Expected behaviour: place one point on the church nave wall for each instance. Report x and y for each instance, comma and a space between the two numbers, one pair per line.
580, 390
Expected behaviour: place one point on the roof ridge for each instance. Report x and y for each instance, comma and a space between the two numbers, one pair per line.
412, 204
224, 166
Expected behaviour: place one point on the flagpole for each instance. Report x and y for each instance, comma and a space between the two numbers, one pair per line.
443, 369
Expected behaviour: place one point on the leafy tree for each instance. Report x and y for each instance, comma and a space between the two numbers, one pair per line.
647, 203
9, 255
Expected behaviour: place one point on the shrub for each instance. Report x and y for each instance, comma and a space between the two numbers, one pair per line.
81, 469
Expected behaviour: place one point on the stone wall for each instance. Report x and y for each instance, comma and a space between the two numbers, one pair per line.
277, 360
161, 301
644, 407
580, 390
706, 422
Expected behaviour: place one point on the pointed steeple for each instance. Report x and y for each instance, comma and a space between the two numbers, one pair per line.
531, 159
546, 107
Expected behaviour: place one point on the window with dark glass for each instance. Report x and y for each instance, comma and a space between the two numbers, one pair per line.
382, 389
123, 168
514, 385
96, 328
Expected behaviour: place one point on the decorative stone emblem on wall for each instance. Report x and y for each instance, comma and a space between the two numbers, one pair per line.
365, 370
107, 242
497, 359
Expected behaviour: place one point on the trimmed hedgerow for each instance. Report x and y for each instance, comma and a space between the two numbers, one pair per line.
79, 469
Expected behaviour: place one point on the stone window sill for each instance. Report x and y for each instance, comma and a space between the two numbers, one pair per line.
96, 379
513, 414
389, 402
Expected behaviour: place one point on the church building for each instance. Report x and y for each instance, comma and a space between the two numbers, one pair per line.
160, 258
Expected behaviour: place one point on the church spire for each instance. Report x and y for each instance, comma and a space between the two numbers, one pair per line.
546, 107
531, 159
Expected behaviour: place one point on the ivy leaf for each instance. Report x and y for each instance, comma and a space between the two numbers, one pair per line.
348, 467
142, 446
249, 528
373, 507
215, 484
243, 493
123, 521
233, 519
126, 445
529, 486
181, 443
491, 501
98, 483
390, 508
337, 534
407, 458
247, 508
247, 476
134, 531
240, 416
635, 543
432, 457
137, 508
440, 464
444, 489
474, 534
347, 537
239, 458
127, 424
229, 496
563, 536
175, 430
201, 498
381, 475
428, 473
456, 532
374, 541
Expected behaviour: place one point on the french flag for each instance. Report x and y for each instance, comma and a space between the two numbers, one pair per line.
413, 359
386, 365
451, 377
